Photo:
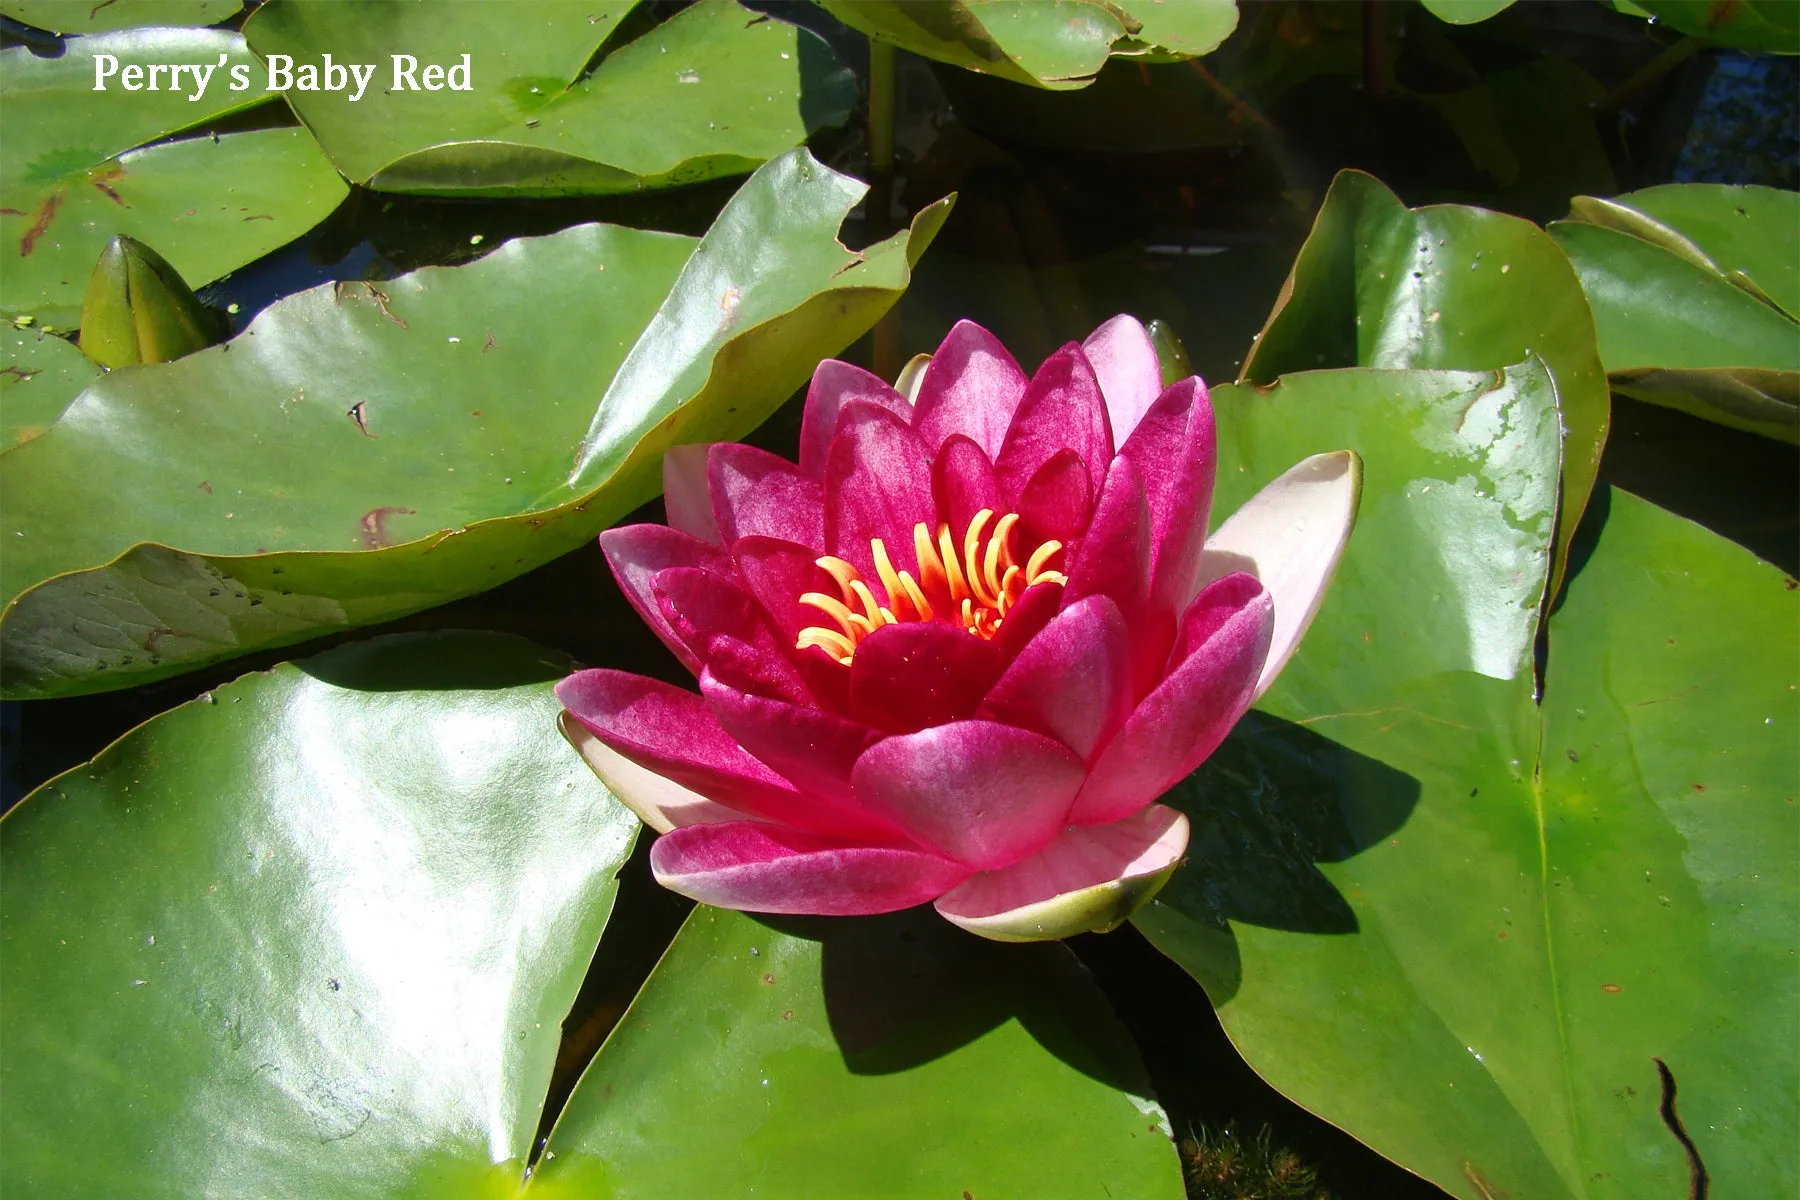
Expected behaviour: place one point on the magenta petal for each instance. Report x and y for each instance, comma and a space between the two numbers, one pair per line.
814, 750
1130, 376
686, 500
983, 793
1114, 560
1219, 654
877, 485
1058, 500
672, 733
1035, 609
1062, 409
835, 384
905, 677
962, 479
757, 494
778, 573
725, 630
1072, 681
971, 387
637, 552
764, 868
1175, 450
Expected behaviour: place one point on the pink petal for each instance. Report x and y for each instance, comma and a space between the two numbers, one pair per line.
1086, 881
1058, 500
637, 552
686, 500
1072, 681
1130, 376
765, 868
660, 803
905, 677
835, 384
724, 628
1062, 409
877, 485
758, 494
1175, 450
1035, 609
962, 479
971, 387
1224, 639
1113, 560
983, 793
778, 573
814, 750
672, 733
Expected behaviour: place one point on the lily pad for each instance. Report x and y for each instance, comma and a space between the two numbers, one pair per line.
1061, 44
1772, 25
1519, 950
715, 90
362, 451
1466, 12
67, 185
95, 16
39, 375
313, 933
1677, 329
1446, 286
879, 1057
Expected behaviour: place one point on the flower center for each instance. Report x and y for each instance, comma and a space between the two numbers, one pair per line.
973, 591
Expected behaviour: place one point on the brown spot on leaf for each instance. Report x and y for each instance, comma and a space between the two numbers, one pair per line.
1611, 989
206, 487
359, 412
45, 214
374, 525
21, 373
490, 344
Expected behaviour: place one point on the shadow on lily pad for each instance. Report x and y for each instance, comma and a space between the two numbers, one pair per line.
1272, 802
904, 989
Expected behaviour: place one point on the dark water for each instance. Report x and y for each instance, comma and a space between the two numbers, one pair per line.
1180, 192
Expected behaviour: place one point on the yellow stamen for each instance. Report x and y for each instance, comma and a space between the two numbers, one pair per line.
973, 590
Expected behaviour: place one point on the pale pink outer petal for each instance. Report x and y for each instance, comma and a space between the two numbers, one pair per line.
1086, 881
754, 867
659, 803
1130, 377
1290, 535
686, 500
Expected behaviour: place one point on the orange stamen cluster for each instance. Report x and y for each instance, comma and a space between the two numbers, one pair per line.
974, 590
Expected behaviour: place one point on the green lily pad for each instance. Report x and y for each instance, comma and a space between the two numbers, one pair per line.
39, 375
95, 16
881, 1057
1442, 287
362, 451
1466, 12
715, 90
1750, 235
1476, 933
1772, 25
67, 185
1061, 44
1675, 332
313, 933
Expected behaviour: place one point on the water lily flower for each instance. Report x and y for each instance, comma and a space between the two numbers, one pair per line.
959, 650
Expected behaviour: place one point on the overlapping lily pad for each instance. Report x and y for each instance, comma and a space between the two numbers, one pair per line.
880, 1057
39, 375
367, 450
313, 933
1695, 290
1499, 942
68, 185
1443, 287
95, 16
715, 90
1060, 44
1772, 25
